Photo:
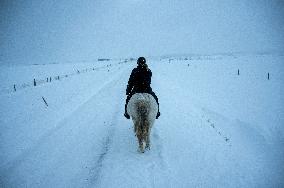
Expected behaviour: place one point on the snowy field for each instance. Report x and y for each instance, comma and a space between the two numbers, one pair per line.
217, 128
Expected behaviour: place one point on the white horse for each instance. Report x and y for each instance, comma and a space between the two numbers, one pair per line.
142, 108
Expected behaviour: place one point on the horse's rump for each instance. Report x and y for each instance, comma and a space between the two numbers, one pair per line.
142, 105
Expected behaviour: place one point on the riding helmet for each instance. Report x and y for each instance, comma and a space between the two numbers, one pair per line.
141, 61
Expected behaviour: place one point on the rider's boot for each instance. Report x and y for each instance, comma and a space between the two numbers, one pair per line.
158, 114
125, 112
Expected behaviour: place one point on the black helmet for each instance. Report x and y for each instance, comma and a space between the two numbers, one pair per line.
141, 61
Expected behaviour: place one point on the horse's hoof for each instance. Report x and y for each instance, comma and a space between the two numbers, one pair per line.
141, 151
148, 147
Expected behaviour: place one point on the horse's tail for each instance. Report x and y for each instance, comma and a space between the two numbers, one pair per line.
142, 109
143, 112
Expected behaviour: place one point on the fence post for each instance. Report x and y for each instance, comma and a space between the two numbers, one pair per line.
34, 82
44, 101
15, 88
238, 72
268, 76
49, 79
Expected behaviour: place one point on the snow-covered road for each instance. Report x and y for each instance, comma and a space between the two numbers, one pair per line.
83, 140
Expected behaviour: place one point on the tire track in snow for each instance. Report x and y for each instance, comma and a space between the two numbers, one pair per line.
96, 171
159, 170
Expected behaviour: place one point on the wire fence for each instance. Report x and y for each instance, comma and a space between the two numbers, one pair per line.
40, 81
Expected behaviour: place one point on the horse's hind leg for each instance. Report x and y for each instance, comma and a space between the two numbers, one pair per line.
141, 148
140, 141
148, 146
139, 134
147, 136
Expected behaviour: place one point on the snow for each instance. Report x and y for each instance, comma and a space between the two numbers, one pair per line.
217, 128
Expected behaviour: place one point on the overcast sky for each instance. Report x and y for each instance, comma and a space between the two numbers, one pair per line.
36, 31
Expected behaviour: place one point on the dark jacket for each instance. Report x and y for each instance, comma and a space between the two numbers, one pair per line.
139, 81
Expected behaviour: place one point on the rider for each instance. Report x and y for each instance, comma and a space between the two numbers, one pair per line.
139, 82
